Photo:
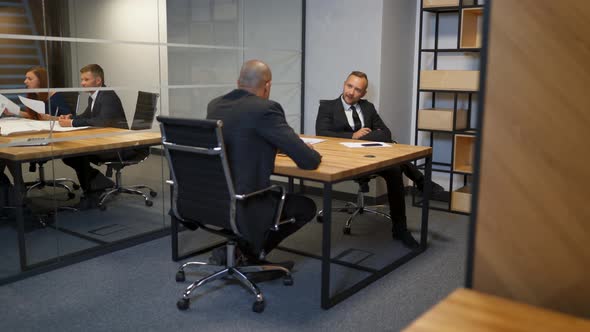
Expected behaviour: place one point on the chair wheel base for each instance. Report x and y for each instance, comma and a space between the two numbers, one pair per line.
149, 203
153, 193
319, 218
346, 231
288, 280
71, 196
258, 306
184, 304
180, 277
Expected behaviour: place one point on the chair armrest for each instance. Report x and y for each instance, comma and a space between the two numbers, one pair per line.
242, 197
279, 209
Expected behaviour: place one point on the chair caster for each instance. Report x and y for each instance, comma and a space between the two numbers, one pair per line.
153, 193
346, 230
71, 196
180, 277
149, 203
258, 306
102, 207
288, 280
76, 186
183, 304
349, 208
319, 218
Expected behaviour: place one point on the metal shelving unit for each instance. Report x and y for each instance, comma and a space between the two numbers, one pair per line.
458, 7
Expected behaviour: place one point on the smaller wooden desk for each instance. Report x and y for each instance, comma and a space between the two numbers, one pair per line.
65, 144
469, 310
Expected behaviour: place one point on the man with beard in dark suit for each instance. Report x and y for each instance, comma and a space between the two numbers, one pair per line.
104, 110
254, 129
349, 116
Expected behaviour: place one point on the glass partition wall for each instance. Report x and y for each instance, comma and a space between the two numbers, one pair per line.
173, 56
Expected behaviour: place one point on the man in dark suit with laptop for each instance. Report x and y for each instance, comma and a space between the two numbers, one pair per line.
104, 110
349, 116
254, 128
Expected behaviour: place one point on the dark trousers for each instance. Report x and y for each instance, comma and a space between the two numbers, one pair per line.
84, 171
296, 206
396, 193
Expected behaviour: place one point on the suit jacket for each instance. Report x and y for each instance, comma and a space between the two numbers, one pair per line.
331, 121
108, 112
58, 105
253, 129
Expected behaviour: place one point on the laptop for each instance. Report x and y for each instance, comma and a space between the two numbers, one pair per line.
31, 141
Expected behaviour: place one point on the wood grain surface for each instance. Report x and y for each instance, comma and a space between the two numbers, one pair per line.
340, 162
533, 214
468, 310
76, 142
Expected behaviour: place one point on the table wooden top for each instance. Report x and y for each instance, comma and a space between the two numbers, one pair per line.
469, 310
77, 142
340, 162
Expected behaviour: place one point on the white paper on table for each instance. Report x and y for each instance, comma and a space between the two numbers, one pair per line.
311, 141
365, 145
59, 128
9, 126
8, 104
36, 105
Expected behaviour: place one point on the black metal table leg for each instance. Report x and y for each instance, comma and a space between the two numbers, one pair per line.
426, 203
326, 245
19, 192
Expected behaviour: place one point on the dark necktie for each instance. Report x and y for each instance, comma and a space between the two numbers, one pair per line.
90, 103
356, 119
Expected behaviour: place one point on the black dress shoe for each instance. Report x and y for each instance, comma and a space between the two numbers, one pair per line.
101, 183
407, 239
435, 188
88, 201
268, 275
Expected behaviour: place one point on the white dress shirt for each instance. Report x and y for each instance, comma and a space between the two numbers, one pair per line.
348, 112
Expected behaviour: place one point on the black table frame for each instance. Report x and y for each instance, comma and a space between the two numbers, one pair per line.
328, 301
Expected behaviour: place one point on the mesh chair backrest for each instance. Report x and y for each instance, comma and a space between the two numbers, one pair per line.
203, 188
145, 110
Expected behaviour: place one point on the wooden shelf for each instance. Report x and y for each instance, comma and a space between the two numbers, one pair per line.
450, 50
439, 3
441, 119
471, 27
463, 156
449, 80
461, 199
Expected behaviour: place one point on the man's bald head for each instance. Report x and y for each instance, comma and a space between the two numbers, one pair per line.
255, 77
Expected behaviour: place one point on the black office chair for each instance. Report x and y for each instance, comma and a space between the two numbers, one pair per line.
354, 209
204, 197
145, 111
71, 98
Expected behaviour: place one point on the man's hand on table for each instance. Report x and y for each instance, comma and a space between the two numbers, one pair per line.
65, 120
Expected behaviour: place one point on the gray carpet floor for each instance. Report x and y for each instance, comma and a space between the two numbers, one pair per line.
134, 289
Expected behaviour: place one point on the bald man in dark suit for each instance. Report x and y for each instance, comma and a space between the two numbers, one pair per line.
254, 128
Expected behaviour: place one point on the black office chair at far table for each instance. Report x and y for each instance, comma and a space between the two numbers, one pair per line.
143, 118
71, 98
354, 209
203, 196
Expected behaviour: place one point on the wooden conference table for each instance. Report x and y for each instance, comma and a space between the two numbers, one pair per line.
66, 144
469, 310
341, 163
